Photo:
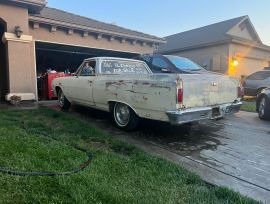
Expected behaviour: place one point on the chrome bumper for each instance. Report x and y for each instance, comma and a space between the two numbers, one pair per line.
177, 117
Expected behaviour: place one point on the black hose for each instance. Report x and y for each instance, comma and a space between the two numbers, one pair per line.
81, 167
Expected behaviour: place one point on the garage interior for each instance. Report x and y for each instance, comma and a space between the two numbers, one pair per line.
58, 60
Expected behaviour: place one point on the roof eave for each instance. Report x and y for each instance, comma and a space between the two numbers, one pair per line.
39, 19
195, 47
256, 45
34, 6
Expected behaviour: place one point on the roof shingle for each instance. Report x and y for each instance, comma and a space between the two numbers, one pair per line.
204, 35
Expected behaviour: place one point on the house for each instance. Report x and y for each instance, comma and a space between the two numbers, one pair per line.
35, 38
231, 47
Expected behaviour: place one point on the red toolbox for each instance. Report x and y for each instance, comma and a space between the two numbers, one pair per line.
47, 89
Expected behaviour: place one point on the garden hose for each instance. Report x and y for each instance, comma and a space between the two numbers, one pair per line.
81, 167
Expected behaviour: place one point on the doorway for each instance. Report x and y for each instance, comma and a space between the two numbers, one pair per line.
3, 62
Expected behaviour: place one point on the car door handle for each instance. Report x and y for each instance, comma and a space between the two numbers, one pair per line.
90, 82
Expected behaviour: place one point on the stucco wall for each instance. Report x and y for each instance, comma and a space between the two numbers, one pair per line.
14, 16
250, 59
21, 71
61, 37
243, 33
218, 54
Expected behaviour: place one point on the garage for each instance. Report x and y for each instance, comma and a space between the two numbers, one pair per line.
56, 60
248, 66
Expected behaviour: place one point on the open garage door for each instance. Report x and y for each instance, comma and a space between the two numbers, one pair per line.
65, 59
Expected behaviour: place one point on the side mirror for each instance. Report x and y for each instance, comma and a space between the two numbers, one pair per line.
204, 65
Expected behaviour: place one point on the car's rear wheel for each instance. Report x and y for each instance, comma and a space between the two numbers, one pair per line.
63, 103
124, 117
264, 108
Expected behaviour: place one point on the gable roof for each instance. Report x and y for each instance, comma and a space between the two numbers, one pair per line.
66, 17
210, 34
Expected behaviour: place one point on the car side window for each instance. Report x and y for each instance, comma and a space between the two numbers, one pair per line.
88, 69
259, 75
158, 64
147, 59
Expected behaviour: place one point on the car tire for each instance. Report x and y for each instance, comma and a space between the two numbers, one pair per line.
264, 108
63, 103
124, 117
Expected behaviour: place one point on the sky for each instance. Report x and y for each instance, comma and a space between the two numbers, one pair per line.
166, 17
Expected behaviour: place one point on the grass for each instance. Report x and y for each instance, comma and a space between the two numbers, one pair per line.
40, 140
249, 106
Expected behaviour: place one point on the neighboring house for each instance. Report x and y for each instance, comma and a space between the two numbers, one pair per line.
36, 38
232, 47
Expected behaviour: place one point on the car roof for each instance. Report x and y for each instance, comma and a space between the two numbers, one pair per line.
112, 58
160, 55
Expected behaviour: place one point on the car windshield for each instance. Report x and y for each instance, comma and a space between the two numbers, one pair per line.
123, 67
183, 63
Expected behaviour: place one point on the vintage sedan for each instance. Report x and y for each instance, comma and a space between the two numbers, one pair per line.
129, 90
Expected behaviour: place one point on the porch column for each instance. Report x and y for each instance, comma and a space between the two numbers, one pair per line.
21, 66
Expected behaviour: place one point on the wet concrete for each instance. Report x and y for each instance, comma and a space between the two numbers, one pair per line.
22, 105
234, 152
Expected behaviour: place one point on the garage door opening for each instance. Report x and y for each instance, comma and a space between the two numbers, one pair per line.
57, 60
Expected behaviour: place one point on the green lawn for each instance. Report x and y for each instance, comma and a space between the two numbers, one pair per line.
249, 106
39, 140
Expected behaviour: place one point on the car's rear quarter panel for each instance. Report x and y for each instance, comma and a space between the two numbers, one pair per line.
208, 90
148, 96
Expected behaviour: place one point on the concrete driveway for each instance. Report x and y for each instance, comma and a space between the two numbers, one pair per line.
234, 152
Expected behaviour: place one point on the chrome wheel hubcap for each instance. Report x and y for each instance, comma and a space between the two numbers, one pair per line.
262, 107
122, 114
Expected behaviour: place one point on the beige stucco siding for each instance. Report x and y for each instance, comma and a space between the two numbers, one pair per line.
61, 36
14, 16
21, 74
243, 33
251, 59
213, 55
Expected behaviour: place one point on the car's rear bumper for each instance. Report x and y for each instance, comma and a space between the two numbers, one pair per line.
177, 117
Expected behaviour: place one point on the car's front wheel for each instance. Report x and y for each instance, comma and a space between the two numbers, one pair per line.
63, 103
264, 108
124, 117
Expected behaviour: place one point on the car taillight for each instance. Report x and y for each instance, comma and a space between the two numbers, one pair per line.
179, 91
240, 92
180, 95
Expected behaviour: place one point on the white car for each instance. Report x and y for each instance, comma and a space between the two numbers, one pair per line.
129, 90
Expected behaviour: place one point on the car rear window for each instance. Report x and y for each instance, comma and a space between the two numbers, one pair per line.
184, 63
123, 67
259, 75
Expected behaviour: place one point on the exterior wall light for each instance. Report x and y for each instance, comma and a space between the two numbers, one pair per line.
235, 62
18, 31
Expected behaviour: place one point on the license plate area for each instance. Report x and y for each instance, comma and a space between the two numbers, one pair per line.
215, 112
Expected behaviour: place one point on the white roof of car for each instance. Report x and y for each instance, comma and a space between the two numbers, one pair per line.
112, 58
